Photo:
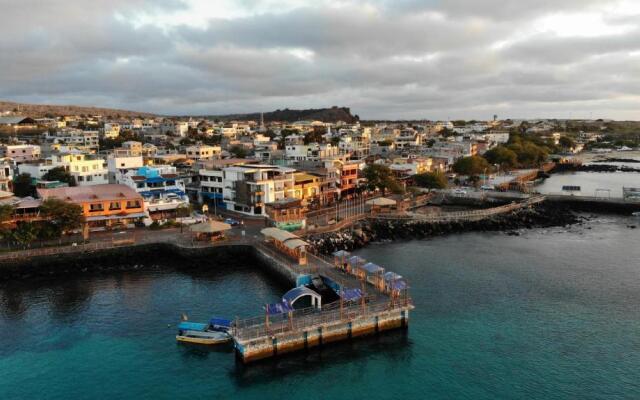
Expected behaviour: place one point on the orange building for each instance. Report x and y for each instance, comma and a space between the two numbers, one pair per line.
348, 179
103, 206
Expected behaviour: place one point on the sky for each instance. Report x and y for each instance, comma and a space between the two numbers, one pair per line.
386, 59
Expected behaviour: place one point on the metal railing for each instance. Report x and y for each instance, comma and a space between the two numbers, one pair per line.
257, 328
462, 215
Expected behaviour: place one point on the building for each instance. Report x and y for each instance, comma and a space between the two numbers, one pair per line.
161, 188
120, 161
85, 169
287, 214
307, 187
6, 175
405, 167
203, 152
296, 153
103, 206
75, 138
111, 130
348, 177
248, 188
21, 153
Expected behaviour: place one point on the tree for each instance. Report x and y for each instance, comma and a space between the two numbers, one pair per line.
566, 142
59, 174
381, 177
502, 156
431, 180
471, 166
6, 212
238, 151
22, 186
61, 215
25, 233
315, 136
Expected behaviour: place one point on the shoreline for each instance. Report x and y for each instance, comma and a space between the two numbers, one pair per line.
364, 233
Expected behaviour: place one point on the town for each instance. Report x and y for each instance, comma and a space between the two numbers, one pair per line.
155, 172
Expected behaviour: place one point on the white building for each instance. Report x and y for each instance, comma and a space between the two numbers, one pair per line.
85, 170
120, 161
161, 188
20, 153
248, 188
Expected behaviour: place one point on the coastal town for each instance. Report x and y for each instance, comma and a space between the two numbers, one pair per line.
91, 174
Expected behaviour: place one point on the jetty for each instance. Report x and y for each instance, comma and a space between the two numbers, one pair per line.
367, 300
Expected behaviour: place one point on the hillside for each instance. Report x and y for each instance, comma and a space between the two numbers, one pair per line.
42, 110
333, 114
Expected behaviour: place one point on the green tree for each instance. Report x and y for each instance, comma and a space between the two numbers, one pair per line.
431, 180
22, 186
59, 174
6, 212
566, 142
502, 156
381, 177
471, 166
25, 233
238, 151
61, 215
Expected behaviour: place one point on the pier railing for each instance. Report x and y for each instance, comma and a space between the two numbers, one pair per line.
472, 215
309, 318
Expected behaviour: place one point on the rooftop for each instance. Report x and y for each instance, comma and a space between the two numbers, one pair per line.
80, 194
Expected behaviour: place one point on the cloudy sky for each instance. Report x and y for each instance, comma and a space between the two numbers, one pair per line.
434, 59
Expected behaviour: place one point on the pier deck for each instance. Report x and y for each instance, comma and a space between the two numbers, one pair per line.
376, 311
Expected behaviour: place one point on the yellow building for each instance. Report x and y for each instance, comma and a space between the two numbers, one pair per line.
307, 187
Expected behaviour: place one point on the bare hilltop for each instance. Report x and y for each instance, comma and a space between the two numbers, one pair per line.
48, 110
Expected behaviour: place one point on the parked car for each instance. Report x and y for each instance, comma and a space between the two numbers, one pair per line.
487, 187
232, 222
460, 192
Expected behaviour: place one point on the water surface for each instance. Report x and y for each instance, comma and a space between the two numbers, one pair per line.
551, 314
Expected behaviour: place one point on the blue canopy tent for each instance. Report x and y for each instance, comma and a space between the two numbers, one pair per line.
372, 268
390, 276
278, 308
351, 294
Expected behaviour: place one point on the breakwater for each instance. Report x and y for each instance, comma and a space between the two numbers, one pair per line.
569, 167
543, 215
127, 258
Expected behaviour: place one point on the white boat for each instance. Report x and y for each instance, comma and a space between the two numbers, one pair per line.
636, 214
215, 332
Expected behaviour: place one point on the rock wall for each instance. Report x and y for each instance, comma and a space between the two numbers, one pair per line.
543, 215
139, 257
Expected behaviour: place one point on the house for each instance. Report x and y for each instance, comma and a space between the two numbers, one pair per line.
247, 188
21, 153
6, 175
307, 187
161, 188
103, 206
85, 169
203, 152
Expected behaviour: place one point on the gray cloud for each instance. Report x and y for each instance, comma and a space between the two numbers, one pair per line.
400, 59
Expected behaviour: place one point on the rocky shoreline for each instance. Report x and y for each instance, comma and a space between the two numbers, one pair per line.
541, 216
593, 168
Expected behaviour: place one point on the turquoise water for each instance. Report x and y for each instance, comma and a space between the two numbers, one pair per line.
550, 314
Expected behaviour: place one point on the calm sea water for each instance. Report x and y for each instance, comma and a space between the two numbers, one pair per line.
550, 314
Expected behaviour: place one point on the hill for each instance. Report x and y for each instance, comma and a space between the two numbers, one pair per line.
333, 114
48, 110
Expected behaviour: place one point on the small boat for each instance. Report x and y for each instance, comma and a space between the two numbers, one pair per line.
636, 214
215, 332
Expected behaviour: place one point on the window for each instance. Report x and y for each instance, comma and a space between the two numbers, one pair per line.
114, 205
133, 204
96, 207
